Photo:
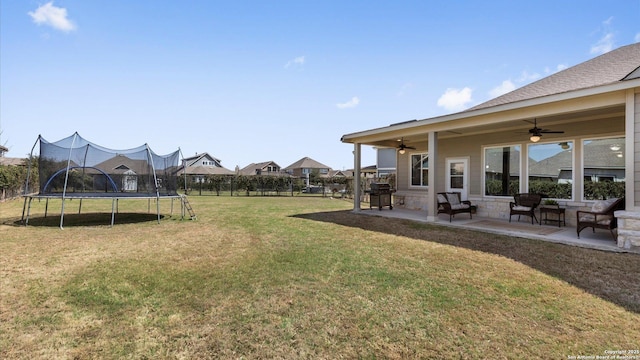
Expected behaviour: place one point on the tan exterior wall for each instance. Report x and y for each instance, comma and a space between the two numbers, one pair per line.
472, 147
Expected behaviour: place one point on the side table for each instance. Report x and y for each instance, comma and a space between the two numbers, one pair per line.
558, 211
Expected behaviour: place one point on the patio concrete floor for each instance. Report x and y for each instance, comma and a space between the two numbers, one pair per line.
600, 240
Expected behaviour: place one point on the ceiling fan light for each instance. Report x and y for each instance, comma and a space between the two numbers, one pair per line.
535, 138
614, 147
401, 151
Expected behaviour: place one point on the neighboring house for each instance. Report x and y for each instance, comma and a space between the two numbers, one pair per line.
9, 160
307, 166
200, 166
340, 173
263, 168
593, 112
385, 162
123, 170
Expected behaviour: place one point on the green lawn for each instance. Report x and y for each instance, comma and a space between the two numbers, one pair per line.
299, 277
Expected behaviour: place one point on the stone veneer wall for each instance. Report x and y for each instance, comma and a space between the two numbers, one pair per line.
628, 229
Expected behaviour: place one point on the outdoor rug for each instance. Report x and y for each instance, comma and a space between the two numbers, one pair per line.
516, 227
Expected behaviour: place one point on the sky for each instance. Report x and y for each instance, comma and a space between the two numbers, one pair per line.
255, 81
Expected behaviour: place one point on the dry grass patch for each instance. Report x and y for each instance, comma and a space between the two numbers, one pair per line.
302, 278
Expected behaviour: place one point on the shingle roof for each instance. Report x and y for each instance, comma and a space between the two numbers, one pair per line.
307, 163
251, 168
12, 161
206, 170
617, 65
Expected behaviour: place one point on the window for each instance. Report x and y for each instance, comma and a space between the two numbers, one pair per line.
551, 169
420, 169
502, 170
603, 168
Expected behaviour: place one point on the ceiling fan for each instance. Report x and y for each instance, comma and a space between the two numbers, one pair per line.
402, 147
536, 132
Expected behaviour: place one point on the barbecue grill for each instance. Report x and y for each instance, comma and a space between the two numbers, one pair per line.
380, 196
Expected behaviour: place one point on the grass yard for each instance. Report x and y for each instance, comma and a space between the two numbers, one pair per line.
299, 277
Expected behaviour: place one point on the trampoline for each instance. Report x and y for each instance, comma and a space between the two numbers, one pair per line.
75, 168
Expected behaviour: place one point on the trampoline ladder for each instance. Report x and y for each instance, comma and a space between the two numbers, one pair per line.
187, 205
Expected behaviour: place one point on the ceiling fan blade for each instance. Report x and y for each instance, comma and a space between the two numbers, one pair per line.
551, 132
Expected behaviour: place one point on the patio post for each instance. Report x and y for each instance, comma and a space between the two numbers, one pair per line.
357, 148
432, 203
631, 117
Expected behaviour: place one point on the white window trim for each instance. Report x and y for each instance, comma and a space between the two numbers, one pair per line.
411, 186
521, 171
581, 142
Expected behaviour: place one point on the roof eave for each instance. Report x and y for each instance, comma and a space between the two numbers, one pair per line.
439, 120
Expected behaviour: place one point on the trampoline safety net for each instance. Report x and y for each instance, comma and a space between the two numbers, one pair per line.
75, 166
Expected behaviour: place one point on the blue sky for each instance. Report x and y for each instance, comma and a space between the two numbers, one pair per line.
253, 81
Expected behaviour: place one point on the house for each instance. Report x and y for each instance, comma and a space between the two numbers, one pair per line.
199, 166
263, 168
385, 162
563, 133
307, 166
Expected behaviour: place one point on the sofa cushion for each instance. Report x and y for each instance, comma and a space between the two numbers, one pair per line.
460, 206
453, 199
602, 205
442, 198
521, 208
602, 219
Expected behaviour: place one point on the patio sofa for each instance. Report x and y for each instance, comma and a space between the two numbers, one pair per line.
450, 203
525, 204
601, 216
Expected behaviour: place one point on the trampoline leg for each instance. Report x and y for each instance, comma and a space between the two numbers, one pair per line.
158, 209
62, 215
113, 210
80, 206
149, 205
24, 208
46, 207
26, 221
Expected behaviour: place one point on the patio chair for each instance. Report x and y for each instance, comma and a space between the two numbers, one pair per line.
601, 216
525, 204
451, 204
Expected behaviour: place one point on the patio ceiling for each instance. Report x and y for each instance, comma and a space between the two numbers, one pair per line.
415, 131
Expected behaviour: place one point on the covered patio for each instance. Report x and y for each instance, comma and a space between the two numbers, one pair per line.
571, 138
598, 240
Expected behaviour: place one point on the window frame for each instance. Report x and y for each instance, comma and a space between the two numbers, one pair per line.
582, 159
484, 167
573, 165
410, 180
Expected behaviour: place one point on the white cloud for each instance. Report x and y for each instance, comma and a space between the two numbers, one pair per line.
349, 104
404, 89
455, 99
561, 67
502, 89
604, 45
299, 61
637, 37
526, 77
606, 42
54, 16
